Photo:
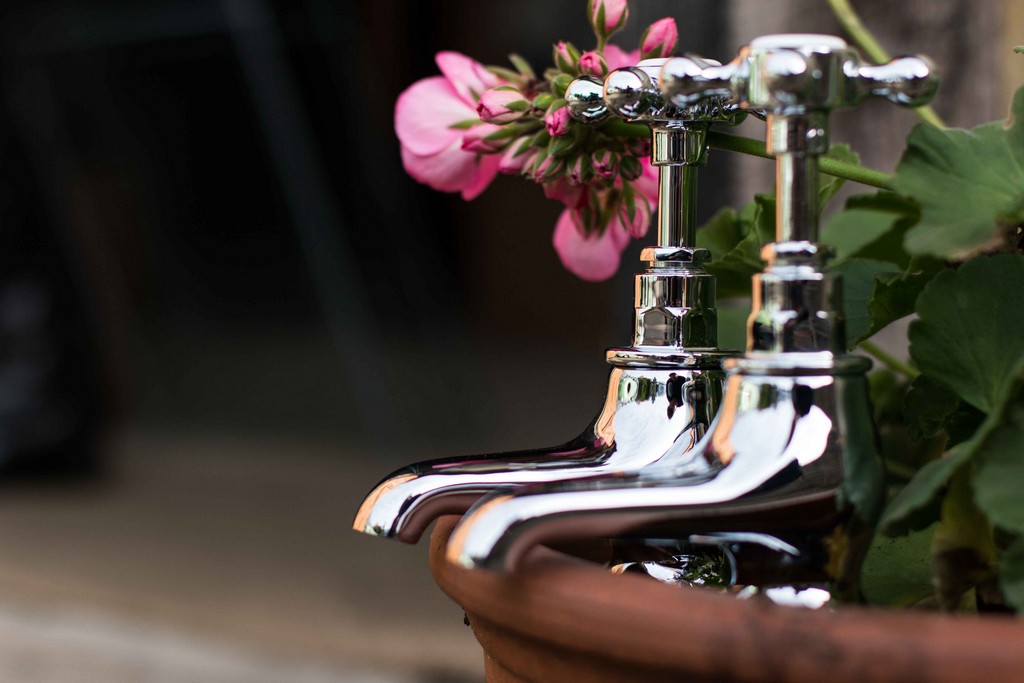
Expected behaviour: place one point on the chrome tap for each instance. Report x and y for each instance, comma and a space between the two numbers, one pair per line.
787, 483
664, 389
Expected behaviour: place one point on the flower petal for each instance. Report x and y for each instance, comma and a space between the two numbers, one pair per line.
450, 170
486, 171
618, 233
647, 183
424, 114
466, 75
616, 58
592, 258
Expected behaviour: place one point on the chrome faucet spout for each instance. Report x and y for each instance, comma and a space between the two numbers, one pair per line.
647, 411
786, 454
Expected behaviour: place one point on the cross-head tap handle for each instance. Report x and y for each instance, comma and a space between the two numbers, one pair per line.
796, 80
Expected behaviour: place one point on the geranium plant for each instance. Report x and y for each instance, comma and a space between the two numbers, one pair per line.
939, 239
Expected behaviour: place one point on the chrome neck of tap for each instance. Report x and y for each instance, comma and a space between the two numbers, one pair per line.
674, 307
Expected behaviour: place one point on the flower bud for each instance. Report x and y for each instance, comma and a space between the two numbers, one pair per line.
548, 168
634, 213
557, 122
516, 156
484, 139
605, 164
565, 56
659, 40
501, 105
592, 64
630, 168
639, 147
580, 170
607, 16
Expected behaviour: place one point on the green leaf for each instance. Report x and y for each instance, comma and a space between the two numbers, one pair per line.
999, 464
970, 334
522, 66
1011, 576
963, 552
897, 571
969, 184
872, 226
928, 407
732, 259
997, 447
859, 281
732, 322
895, 296
916, 505
735, 241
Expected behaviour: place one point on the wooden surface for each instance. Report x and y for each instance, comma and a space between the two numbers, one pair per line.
562, 619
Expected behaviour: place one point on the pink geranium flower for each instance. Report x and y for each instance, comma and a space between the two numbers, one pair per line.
425, 113
595, 257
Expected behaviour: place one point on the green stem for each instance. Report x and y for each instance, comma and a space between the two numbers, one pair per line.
890, 362
867, 42
833, 167
752, 147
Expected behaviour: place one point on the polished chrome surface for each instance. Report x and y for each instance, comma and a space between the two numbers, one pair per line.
647, 410
664, 389
788, 461
787, 484
796, 80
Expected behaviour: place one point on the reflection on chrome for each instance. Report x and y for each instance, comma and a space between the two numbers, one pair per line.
646, 412
770, 484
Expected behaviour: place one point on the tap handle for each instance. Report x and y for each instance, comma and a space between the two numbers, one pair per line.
585, 100
907, 81
633, 95
797, 75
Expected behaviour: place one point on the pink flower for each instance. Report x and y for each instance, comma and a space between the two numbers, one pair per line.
659, 40
635, 215
501, 105
511, 161
565, 55
561, 190
616, 58
426, 115
557, 122
584, 251
580, 170
476, 139
591, 257
606, 163
648, 182
607, 16
593, 64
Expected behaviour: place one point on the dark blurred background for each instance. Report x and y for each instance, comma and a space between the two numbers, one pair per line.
226, 311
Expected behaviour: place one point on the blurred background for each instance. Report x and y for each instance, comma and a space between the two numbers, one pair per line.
226, 312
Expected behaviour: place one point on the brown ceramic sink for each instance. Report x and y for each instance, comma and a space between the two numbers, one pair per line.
559, 618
